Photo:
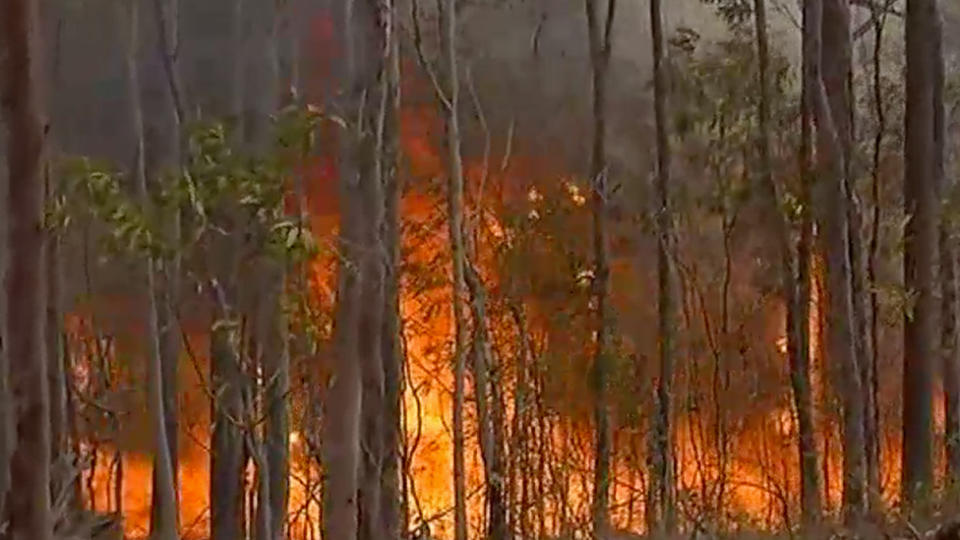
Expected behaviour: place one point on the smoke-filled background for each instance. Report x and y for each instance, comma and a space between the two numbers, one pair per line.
251, 73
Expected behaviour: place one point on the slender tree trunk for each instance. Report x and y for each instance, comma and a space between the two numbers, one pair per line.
55, 349
7, 436
24, 287
455, 188
920, 252
276, 364
227, 457
795, 289
166, 18
663, 456
165, 511
392, 522
948, 271
834, 231
489, 418
599, 32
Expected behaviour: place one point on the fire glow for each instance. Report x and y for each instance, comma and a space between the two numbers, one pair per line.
752, 477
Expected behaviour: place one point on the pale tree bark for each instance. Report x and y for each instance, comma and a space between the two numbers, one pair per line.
599, 34
24, 287
831, 199
164, 526
489, 415
795, 288
920, 252
451, 102
357, 366
166, 19
662, 476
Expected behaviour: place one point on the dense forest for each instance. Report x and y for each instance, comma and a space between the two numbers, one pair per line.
467, 269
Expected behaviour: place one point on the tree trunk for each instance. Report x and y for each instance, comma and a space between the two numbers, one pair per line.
455, 183
836, 58
663, 456
372, 274
353, 432
920, 252
272, 453
489, 417
56, 353
834, 239
871, 385
24, 287
795, 289
227, 456
392, 521
7, 436
165, 513
276, 373
166, 15
948, 275
599, 34
227, 442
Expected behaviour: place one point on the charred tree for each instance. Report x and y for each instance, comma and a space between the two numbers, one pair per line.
920, 251
24, 288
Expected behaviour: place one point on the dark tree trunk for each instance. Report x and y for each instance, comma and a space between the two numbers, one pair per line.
391, 353
56, 353
227, 440
663, 432
372, 279
276, 364
795, 287
920, 252
599, 34
24, 288
948, 271
823, 40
